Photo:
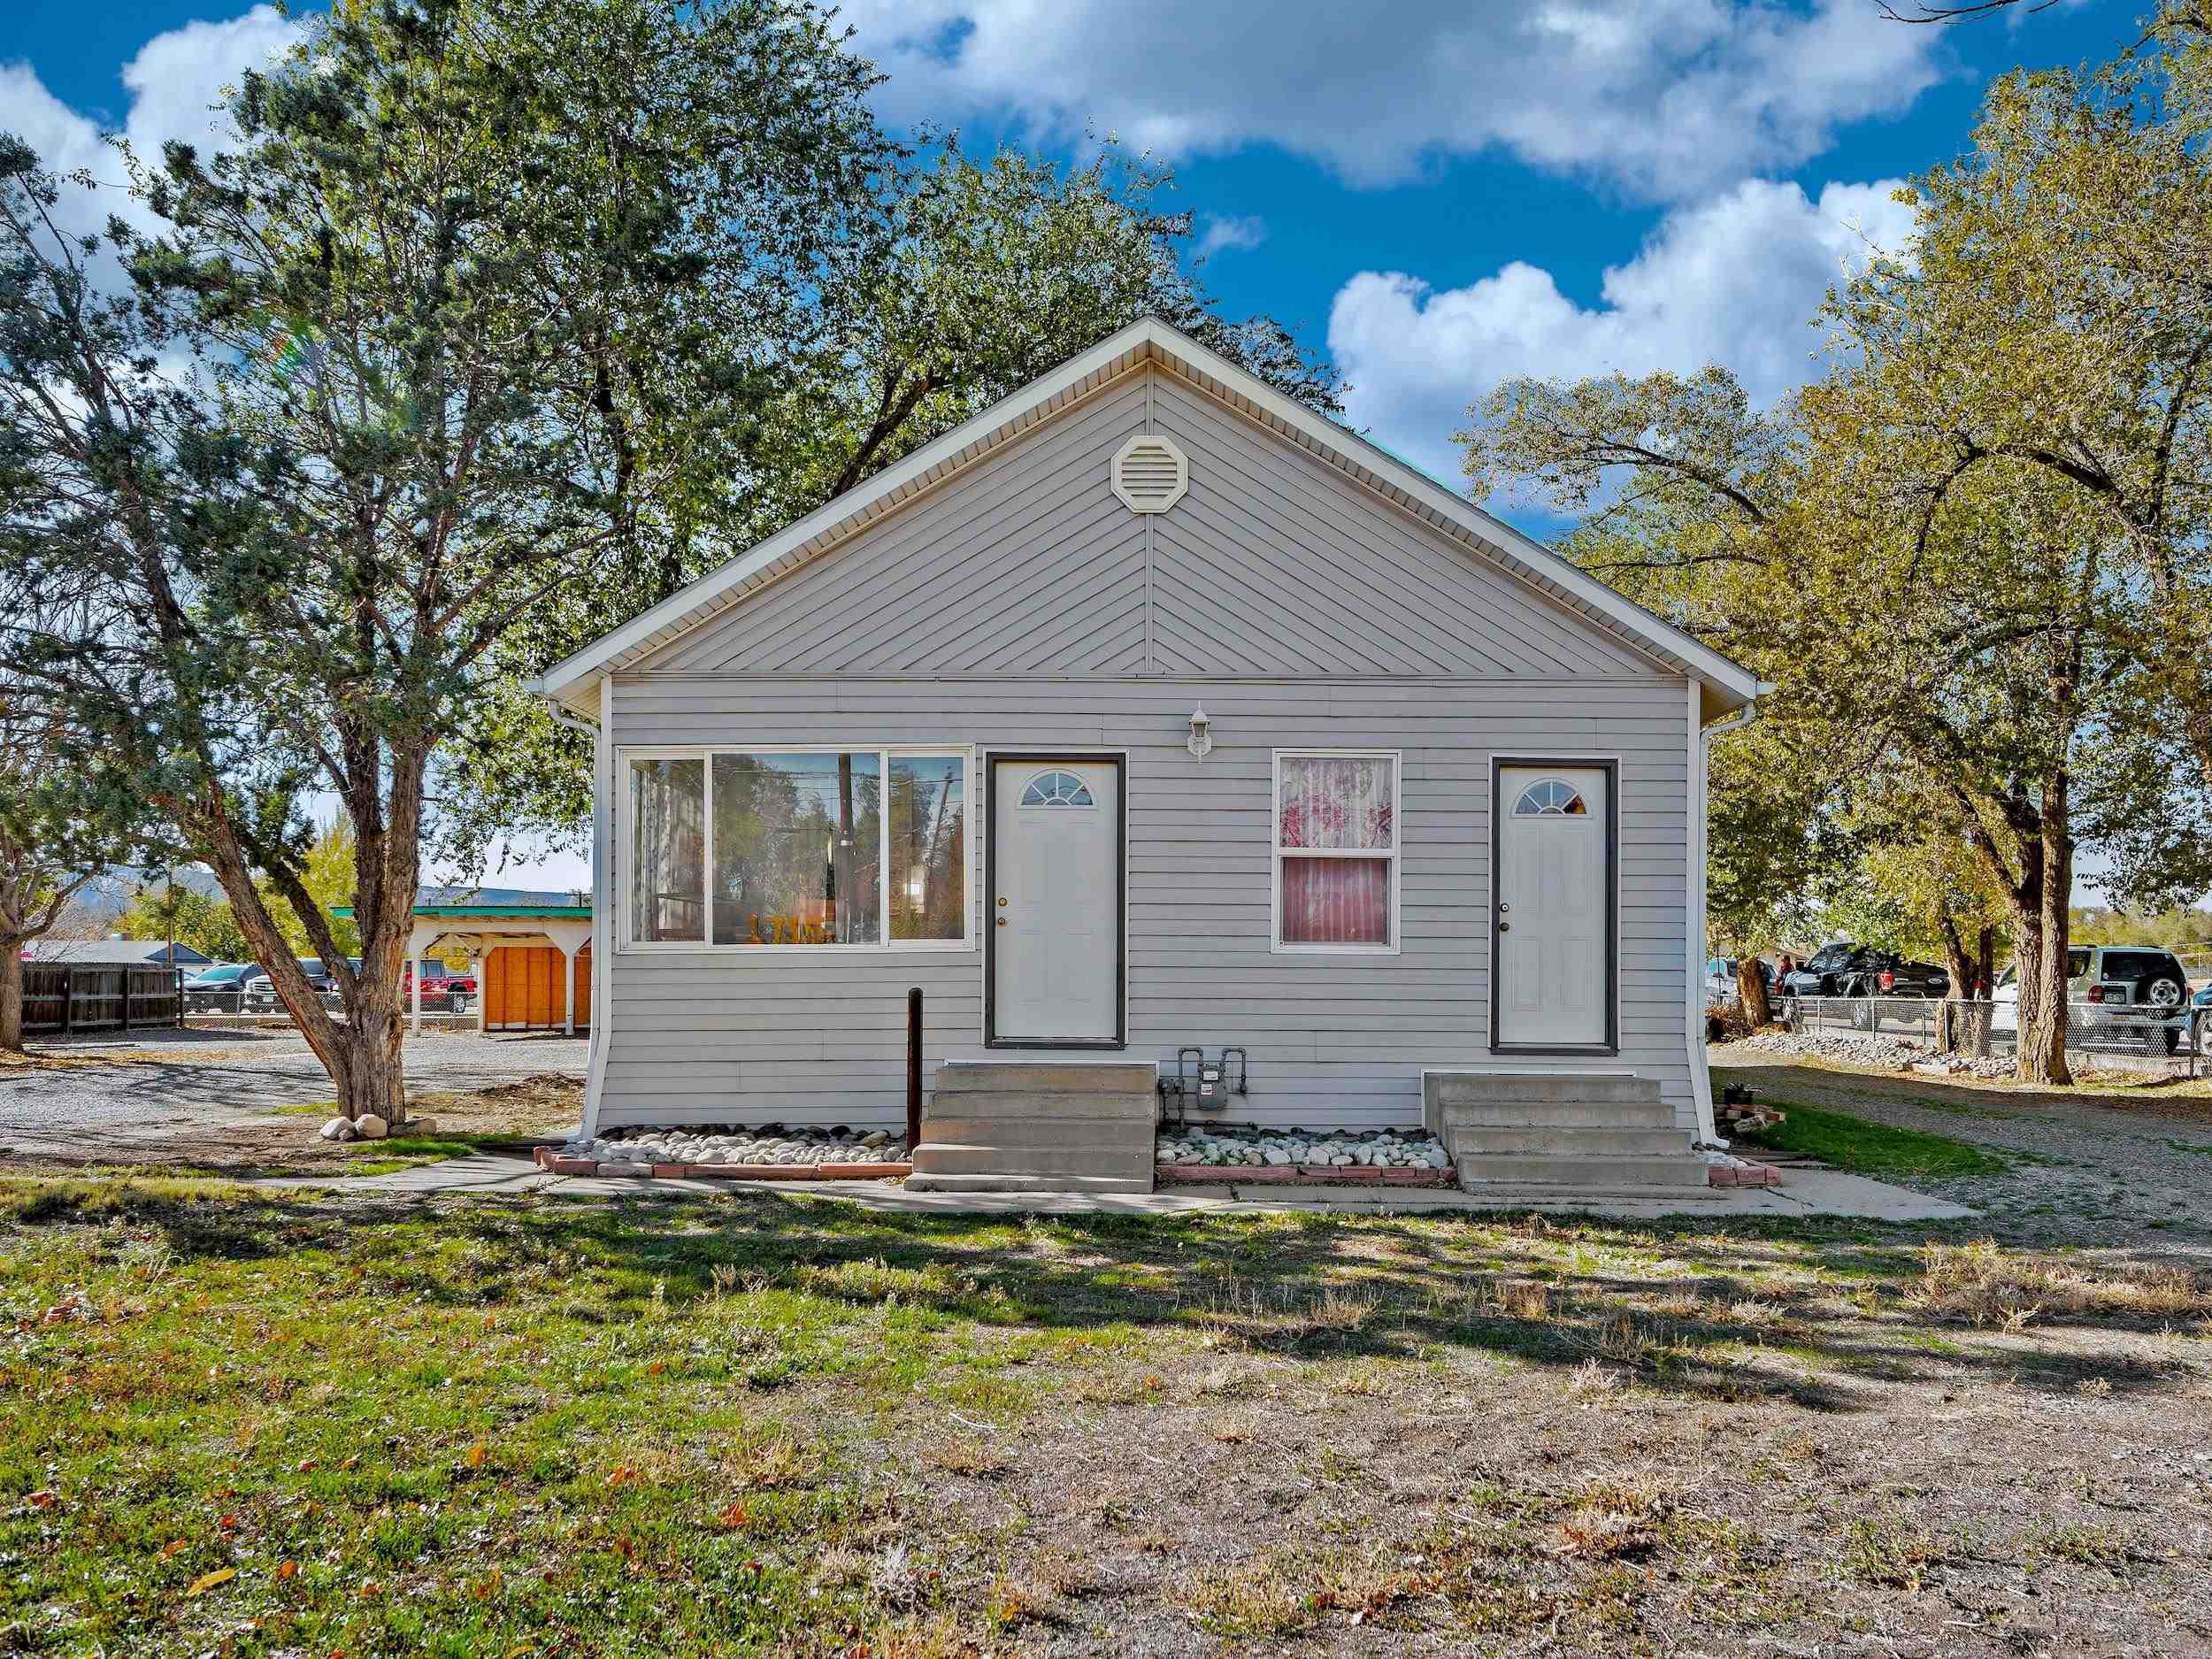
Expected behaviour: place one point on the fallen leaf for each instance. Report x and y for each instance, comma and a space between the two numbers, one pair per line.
207, 1581
353, 1462
623, 1476
226, 1523
42, 1500
174, 1546
656, 1368
305, 1464
736, 1517
474, 1456
285, 1570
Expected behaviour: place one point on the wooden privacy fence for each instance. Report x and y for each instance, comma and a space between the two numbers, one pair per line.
63, 997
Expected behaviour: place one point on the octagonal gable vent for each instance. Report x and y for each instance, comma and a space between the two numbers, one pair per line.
1150, 474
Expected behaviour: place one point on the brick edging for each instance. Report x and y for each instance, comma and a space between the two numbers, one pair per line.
1744, 1175
1304, 1174
552, 1162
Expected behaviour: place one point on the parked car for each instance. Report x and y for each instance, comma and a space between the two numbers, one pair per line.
261, 991
1844, 969
1720, 978
442, 989
220, 989
2140, 988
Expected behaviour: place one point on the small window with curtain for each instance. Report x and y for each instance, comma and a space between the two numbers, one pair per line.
1336, 851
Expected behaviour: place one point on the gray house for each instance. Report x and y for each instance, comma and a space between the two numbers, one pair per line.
1148, 709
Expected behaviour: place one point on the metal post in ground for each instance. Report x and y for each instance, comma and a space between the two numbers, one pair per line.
913, 1070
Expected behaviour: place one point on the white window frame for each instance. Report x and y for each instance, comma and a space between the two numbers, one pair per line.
1277, 852
625, 939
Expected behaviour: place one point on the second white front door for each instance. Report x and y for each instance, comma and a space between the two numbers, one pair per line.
1055, 903
1554, 906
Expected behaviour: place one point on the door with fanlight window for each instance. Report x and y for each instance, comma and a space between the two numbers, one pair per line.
1552, 927
1053, 953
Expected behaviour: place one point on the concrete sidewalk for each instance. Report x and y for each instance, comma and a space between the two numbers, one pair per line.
1809, 1193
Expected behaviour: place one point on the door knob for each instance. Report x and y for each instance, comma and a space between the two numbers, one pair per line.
1001, 921
1505, 927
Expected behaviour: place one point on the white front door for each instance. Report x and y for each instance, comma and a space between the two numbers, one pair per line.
1555, 909
1055, 903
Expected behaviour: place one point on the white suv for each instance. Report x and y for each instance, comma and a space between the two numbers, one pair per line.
2144, 988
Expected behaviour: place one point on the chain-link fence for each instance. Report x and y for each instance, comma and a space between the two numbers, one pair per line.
1990, 1029
261, 1001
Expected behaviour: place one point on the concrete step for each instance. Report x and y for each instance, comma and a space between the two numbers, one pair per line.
939, 1157
1046, 1105
1450, 1088
919, 1182
1577, 1174
1471, 1141
1021, 1076
1561, 1115
1075, 1134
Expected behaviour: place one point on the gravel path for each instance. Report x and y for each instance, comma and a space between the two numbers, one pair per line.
2132, 1167
178, 1085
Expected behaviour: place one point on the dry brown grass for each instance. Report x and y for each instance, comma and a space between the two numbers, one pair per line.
967, 1456
1253, 1599
1991, 1286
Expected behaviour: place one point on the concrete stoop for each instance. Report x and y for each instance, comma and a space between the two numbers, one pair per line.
1037, 1128
1555, 1137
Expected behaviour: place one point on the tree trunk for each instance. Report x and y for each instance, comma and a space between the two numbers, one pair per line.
361, 1050
1960, 966
1751, 991
2041, 922
11, 995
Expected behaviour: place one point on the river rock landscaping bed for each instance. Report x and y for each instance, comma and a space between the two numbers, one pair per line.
1884, 1053
1222, 1152
770, 1151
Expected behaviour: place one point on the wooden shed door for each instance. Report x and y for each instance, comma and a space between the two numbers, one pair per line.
524, 985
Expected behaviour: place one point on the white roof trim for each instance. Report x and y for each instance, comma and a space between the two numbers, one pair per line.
1526, 558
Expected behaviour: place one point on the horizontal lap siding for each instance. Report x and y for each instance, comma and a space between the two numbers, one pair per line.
1335, 1039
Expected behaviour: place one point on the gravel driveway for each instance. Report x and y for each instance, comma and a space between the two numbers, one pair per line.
179, 1085
2128, 1167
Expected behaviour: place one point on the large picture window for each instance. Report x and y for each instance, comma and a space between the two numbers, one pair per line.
1336, 851
762, 848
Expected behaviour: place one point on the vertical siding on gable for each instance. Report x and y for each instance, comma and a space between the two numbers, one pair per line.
702, 1036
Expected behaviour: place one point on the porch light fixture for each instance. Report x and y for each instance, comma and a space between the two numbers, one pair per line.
1201, 741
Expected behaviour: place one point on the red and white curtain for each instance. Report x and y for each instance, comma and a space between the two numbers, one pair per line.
1336, 843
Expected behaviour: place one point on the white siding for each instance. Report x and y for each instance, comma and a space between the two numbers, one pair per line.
1274, 565
700, 1036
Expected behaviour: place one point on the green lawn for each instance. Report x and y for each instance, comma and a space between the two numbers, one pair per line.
1866, 1147
252, 1424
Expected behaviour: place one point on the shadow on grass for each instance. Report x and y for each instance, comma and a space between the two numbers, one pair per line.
1816, 1312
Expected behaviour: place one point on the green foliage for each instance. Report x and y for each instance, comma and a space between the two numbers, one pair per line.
200, 921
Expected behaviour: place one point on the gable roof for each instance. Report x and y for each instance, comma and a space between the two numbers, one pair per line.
113, 953
574, 681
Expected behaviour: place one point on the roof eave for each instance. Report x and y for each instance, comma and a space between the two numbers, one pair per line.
572, 683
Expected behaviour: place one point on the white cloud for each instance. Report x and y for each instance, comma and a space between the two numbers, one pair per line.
1734, 280
174, 81
1228, 234
1663, 98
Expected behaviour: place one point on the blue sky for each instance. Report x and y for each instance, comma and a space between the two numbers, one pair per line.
1440, 196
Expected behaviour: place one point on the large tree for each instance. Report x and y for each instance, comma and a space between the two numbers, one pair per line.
479, 307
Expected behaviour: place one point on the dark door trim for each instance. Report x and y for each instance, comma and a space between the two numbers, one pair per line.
1612, 771
1119, 762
